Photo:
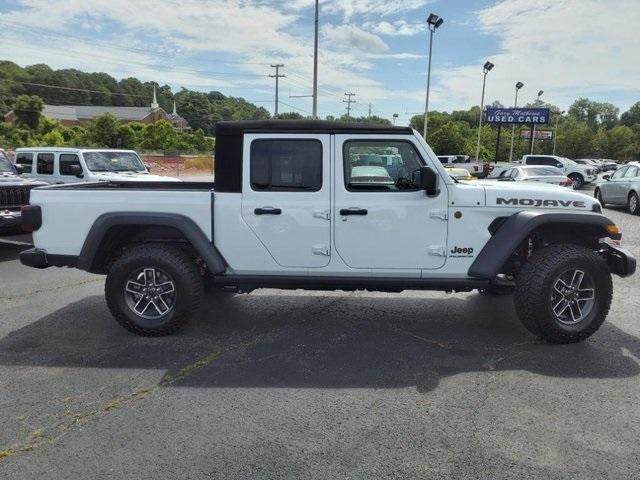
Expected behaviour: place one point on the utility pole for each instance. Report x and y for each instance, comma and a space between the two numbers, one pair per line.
519, 85
349, 101
369, 110
433, 22
315, 66
555, 134
277, 76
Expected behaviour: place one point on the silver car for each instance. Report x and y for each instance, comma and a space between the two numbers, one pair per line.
544, 174
621, 188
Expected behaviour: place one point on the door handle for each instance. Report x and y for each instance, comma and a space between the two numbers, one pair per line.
267, 211
353, 211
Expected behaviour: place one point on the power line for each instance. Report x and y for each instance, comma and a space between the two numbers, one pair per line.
277, 76
349, 101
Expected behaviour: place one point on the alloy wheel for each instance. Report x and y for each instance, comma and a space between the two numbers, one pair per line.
573, 296
150, 293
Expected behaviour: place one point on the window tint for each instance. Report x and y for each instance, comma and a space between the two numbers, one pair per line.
24, 158
631, 172
45, 163
362, 171
541, 161
620, 173
66, 161
515, 173
286, 165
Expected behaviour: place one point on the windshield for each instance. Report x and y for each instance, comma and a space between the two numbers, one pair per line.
109, 161
5, 165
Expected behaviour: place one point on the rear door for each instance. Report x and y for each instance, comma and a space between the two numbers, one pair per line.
612, 190
286, 194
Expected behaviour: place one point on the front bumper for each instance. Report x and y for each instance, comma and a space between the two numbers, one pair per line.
10, 222
620, 260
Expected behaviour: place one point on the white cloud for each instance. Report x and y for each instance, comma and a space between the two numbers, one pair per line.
350, 37
396, 28
557, 46
351, 8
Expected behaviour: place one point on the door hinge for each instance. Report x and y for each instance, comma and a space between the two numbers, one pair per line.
324, 214
441, 214
436, 251
321, 250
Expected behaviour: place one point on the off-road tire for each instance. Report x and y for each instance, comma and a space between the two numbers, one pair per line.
534, 286
598, 196
633, 204
182, 270
578, 181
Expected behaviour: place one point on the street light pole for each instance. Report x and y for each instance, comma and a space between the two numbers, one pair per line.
315, 65
488, 66
433, 22
555, 134
519, 85
533, 126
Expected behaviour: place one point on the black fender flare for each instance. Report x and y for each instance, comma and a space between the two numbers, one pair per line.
185, 225
516, 228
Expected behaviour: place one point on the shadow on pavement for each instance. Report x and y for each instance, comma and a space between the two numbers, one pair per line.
11, 251
322, 341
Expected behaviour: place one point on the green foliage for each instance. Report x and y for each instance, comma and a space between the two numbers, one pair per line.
290, 116
27, 109
104, 130
631, 116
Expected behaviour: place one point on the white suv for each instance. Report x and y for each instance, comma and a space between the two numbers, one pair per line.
579, 174
72, 165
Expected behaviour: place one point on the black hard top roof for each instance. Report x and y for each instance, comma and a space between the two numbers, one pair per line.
310, 126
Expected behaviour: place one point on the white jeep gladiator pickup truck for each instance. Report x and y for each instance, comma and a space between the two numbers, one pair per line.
286, 212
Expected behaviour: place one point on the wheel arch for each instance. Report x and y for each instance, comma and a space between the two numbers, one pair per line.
116, 230
509, 233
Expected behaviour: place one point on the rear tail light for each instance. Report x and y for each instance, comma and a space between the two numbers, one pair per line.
566, 183
31, 218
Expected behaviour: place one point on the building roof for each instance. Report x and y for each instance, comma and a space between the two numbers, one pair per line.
84, 112
315, 126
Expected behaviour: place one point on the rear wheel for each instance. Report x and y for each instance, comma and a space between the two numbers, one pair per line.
563, 293
634, 204
578, 181
152, 290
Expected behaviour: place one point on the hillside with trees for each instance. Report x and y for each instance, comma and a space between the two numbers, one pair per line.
587, 129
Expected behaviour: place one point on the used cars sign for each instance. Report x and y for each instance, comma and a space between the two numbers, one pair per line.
517, 115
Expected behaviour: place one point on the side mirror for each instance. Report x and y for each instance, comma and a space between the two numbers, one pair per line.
559, 165
76, 170
607, 177
148, 167
20, 169
428, 181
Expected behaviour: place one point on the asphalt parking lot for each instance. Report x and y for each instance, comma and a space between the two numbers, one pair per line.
321, 385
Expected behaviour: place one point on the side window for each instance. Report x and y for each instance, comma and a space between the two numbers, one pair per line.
286, 165
66, 161
25, 159
45, 163
515, 173
631, 172
363, 172
620, 173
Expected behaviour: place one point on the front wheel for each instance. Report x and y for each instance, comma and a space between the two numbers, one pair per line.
563, 293
634, 204
152, 290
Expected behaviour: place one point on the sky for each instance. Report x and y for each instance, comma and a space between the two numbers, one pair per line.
377, 49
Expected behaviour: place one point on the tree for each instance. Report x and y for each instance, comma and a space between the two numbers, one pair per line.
104, 130
594, 113
631, 116
290, 116
27, 109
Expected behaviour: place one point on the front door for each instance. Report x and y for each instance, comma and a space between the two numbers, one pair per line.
286, 196
382, 221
